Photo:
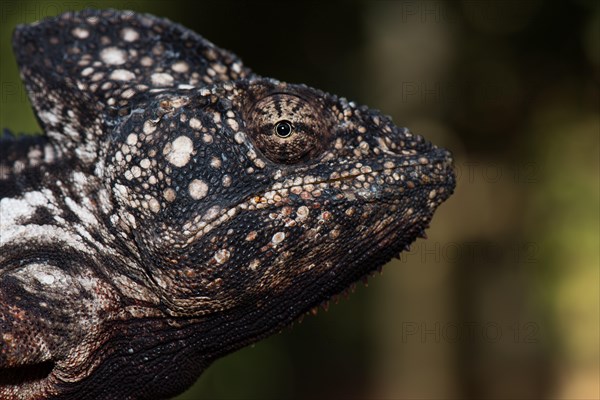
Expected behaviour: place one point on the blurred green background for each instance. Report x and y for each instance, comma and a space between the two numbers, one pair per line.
502, 300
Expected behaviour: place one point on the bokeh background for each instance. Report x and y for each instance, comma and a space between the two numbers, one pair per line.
502, 300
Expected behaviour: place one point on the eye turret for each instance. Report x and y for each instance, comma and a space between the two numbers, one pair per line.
287, 128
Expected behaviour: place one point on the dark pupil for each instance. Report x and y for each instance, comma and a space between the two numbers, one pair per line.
283, 129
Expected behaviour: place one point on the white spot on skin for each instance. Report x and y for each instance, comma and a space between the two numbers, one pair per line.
146, 61
254, 264
222, 256
122, 191
259, 163
145, 163
129, 34
239, 137
278, 238
180, 66
149, 127
169, 194
215, 162
132, 139
211, 213
46, 274
198, 189
128, 93
161, 79
34, 156
302, 212
122, 75
154, 205
48, 117
181, 151
95, 78
195, 123
113, 56
87, 71
44, 278
49, 153
131, 219
251, 236
80, 33
136, 171
233, 124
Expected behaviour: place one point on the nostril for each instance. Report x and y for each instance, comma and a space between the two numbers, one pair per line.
24, 374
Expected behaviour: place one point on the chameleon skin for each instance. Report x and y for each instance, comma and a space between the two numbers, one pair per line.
179, 207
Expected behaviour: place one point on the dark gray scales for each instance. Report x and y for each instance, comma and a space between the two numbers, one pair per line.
179, 207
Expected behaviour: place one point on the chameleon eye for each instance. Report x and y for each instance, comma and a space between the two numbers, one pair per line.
283, 129
287, 128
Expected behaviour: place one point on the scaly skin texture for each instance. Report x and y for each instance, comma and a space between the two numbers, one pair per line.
179, 207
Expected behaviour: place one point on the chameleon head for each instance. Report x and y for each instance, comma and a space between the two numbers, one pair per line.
247, 196
179, 206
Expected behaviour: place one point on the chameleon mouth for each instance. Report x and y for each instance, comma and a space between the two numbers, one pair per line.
434, 169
